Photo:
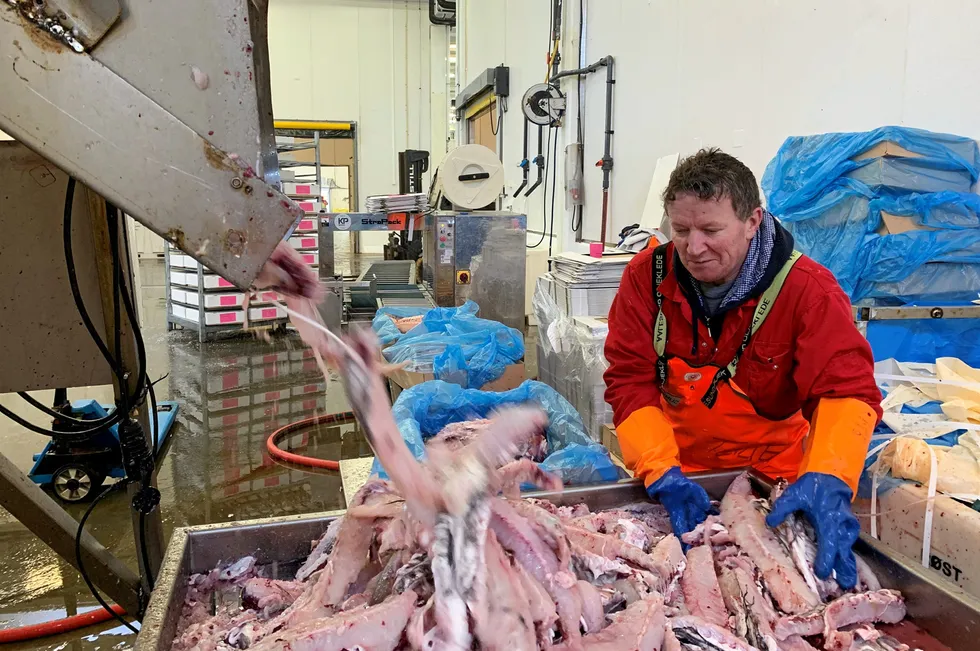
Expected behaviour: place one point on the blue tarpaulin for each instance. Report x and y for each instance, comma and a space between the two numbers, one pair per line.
805, 166
925, 340
834, 214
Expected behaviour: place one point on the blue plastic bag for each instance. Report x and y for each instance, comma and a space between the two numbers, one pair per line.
457, 346
805, 166
425, 409
388, 332
385, 327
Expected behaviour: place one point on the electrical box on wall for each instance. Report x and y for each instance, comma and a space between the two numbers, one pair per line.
574, 172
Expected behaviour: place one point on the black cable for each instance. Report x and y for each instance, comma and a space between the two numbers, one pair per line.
47, 432
153, 417
130, 302
141, 379
80, 562
544, 196
111, 223
144, 552
106, 421
551, 36
127, 401
577, 218
494, 129
554, 187
73, 281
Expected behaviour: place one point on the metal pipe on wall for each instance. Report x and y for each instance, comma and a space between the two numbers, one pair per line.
606, 162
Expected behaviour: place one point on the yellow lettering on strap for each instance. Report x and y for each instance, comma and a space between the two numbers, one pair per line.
765, 304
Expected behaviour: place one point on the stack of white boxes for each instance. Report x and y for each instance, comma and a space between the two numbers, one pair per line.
571, 358
304, 237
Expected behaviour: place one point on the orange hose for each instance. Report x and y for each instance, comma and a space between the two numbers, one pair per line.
272, 444
57, 626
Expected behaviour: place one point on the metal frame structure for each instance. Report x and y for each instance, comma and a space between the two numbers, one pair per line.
206, 156
319, 130
184, 144
865, 314
204, 331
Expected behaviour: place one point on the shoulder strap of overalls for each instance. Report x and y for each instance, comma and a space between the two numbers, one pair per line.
660, 324
758, 318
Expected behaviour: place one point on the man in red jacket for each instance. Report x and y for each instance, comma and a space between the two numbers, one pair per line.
728, 349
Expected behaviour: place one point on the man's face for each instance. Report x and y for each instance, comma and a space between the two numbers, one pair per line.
711, 240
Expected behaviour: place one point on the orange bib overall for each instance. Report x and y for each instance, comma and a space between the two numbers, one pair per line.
714, 422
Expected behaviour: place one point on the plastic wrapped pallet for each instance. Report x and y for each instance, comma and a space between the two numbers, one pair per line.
571, 358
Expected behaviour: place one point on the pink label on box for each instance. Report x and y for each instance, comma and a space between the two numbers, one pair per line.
268, 359
269, 313
268, 296
271, 371
310, 388
229, 380
308, 258
305, 225
309, 366
229, 402
224, 283
227, 317
272, 395
307, 206
307, 242
309, 404
231, 299
304, 189
230, 419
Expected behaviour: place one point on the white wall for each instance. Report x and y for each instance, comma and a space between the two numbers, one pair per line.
376, 62
745, 75
513, 33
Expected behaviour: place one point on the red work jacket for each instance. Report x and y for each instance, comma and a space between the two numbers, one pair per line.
807, 349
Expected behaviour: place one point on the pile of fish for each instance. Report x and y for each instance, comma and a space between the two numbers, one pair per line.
447, 556
404, 324
455, 436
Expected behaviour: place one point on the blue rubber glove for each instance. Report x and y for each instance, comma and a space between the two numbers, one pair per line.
825, 501
685, 501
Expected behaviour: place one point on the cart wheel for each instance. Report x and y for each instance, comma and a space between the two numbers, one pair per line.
74, 483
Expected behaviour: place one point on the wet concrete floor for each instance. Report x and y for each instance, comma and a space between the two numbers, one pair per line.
232, 395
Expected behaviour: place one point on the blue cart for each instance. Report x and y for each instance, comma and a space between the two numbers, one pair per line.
75, 469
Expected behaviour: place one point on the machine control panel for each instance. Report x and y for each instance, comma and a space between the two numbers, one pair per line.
445, 243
